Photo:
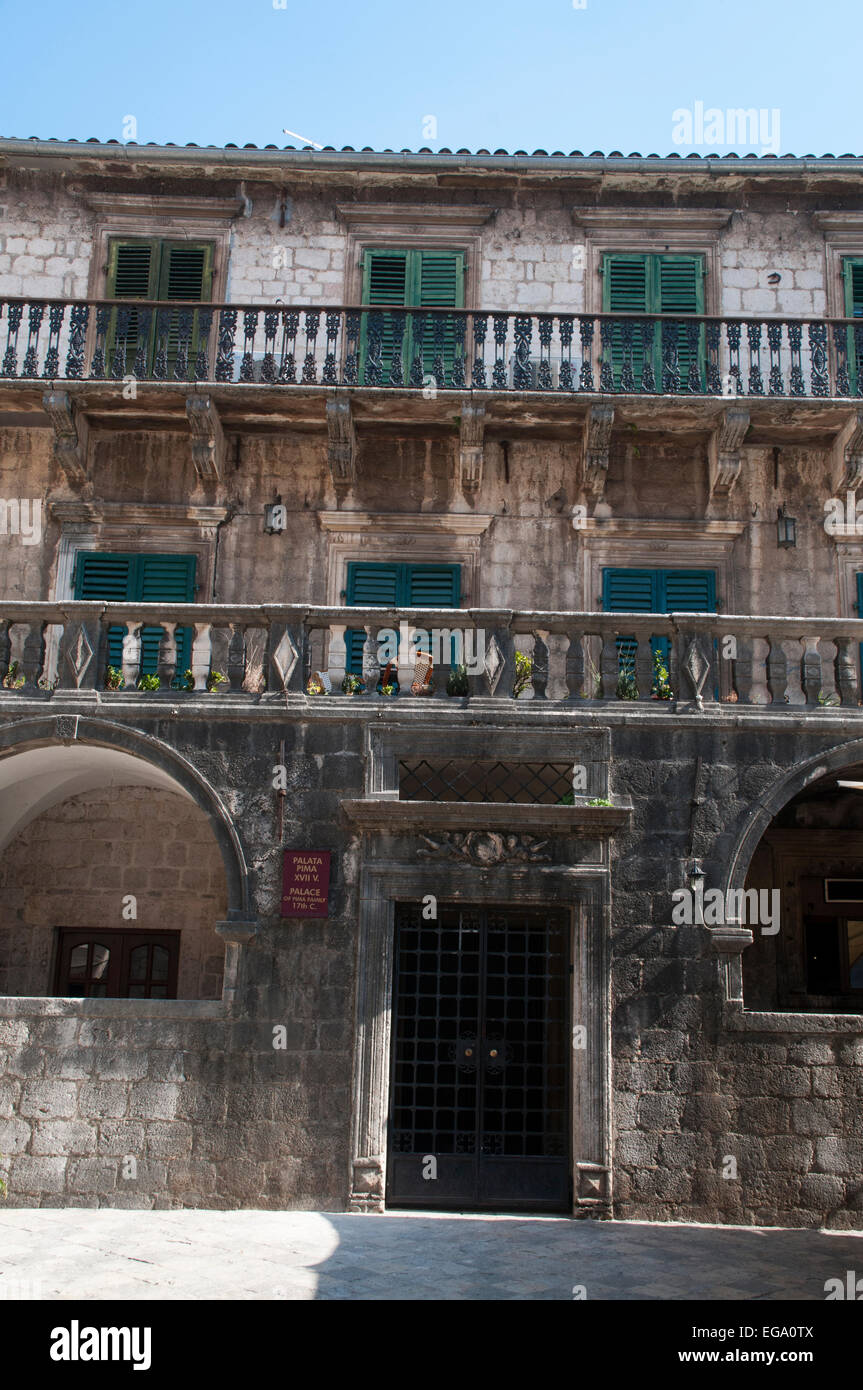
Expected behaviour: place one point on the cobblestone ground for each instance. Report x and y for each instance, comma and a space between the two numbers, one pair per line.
95, 1254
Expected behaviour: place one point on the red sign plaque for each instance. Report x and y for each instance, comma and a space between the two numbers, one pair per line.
306, 883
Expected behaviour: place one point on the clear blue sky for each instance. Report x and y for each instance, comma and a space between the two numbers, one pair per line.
511, 74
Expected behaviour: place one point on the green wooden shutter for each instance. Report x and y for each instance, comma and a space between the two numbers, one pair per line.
655, 591
680, 290
625, 291
110, 577
860, 611
852, 270
105, 578
439, 284
372, 586
185, 272
165, 579
432, 279
133, 273
661, 285
385, 281
433, 586
688, 591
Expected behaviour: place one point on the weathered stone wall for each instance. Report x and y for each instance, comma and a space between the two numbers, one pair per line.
74, 865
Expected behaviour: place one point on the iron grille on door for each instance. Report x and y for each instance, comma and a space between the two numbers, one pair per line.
480, 1059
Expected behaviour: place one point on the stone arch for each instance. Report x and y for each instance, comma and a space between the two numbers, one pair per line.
166, 767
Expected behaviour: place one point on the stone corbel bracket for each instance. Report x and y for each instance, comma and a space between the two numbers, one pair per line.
595, 448
71, 433
471, 447
723, 451
848, 455
208, 440
341, 442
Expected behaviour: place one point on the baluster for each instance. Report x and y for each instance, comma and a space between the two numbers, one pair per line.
566, 381
352, 354
575, 667
163, 338
539, 673
131, 652
371, 665
648, 343
167, 664
742, 670
185, 324
812, 674
439, 338
33, 655
225, 345
204, 325
795, 343
5, 647
34, 324
310, 367
585, 332
123, 319
776, 385
818, 358
521, 375
846, 669
627, 374
753, 335
373, 375
13, 323
337, 657
269, 370
713, 329
417, 328
250, 328
858, 358
609, 667
546, 328
288, 356
220, 635
78, 321
777, 671
459, 331
142, 346
55, 324
670, 358
477, 375
200, 659
732, 334
398, 324
840, 347
330, 372
606, 367
97, 366
643, 663
501, 326
236, 668
693, 348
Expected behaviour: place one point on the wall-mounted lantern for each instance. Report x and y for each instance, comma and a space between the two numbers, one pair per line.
786, 529
275, 516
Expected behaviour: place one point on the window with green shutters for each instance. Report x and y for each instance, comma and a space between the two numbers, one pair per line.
852, 271
655, 591
427, 279
651, 284
112, 577
397, 586
150, 268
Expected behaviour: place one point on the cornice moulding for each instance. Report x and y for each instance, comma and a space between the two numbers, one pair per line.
359, 215
422, 523
148, 205
632, 220
135, 513
654, 530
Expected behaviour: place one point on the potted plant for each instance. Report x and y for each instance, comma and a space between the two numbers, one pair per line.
457, 682
114, 678
151, 682
315, 686
523, 674
11, 680
388, 683
353, 685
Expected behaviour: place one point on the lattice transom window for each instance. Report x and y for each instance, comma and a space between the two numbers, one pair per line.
470, 779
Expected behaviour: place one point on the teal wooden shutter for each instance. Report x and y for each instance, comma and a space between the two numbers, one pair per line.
625, 291
165, 579
860, 612
133, 273
680, 290
369, 586
688, 591
106, 578
661, 285
433, 586
655, 591
110, 577
852, 270
385, 282
185, 272
439, 284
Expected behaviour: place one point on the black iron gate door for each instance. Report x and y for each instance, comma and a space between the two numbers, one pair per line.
479, 1113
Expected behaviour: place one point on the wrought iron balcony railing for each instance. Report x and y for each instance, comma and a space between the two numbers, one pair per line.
277, 345
693, 660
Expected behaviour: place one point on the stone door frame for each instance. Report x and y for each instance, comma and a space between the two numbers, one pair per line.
582, 889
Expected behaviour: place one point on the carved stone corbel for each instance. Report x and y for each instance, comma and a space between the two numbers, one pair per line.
848, 455
208, 440
71, 433
341, 441
471, 449
723, 451
595, 448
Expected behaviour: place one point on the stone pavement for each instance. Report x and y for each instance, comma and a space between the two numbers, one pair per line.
95, 1254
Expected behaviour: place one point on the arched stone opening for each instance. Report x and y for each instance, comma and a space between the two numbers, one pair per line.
802, 853
116, 868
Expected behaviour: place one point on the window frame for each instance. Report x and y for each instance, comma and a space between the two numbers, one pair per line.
120, 955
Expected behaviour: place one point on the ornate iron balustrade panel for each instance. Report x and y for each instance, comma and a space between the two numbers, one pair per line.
429, 349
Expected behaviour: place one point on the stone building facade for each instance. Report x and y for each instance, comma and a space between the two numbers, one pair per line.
594, 415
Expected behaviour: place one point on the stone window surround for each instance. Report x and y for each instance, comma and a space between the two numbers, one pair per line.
413, 225
843, 236
451, 538
172, 218
632, 543
849, 562
654, 231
